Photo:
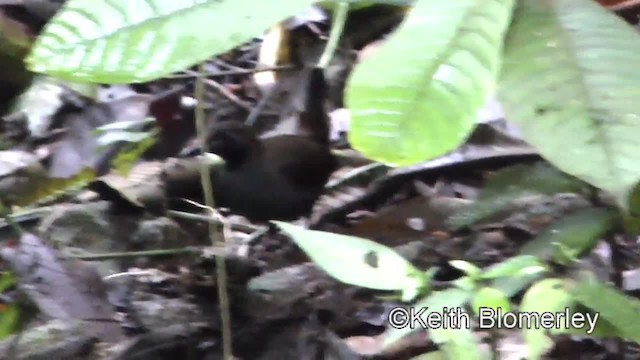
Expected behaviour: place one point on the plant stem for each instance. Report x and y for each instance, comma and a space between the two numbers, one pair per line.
135, 254
205, 178
235, 72
337, 26
495, 338
204, 218
219, 88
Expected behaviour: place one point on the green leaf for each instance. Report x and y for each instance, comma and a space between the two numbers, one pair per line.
7, 280
511, 286
465, 283
358, 261
436, 302
362, 4
470, 269
422, 104
458, 342
549, 295
632, 215
433, 355
456, 339
488, 297
514, 274
514, 266
9, 320
42, 188
571, 236
112, 137
130, 125
124, 41
510, 184
9, 313
603, 328
570, 82
131, 153
621, 311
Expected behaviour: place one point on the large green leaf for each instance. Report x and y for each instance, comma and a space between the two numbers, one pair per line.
632, 217
620, 310
571, 82
358, 261
122, 41
417, 97
9, 313
489, 297
438, 302
548, 295
572, 236
459, 343
514, 266
508, 185
362, 4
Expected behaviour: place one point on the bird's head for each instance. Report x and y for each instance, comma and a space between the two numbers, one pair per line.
234, 142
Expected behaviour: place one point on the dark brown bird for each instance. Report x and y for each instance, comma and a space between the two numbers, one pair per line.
275, 178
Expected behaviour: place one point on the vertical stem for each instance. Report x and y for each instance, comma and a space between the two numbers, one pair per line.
495, 338
205, 177
337, 26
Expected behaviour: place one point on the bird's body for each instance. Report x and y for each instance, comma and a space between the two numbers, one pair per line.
280, 179
273, 178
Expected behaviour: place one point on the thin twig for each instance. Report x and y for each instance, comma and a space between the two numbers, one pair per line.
353, 174
257, 110
207, 218
135, 254
234, 72
256, 235
337, 26
221, 267
226, 65
222, 90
